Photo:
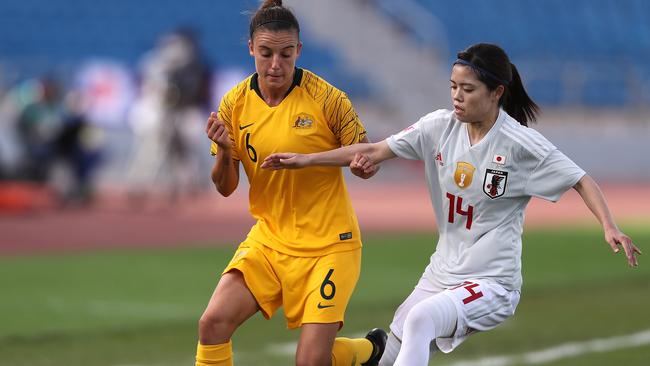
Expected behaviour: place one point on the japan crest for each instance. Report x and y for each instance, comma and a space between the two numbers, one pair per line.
494, 184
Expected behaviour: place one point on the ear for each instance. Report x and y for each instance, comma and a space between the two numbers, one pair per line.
250, 47
498, 92
299, 49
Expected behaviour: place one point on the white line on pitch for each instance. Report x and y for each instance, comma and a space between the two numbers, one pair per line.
564, 350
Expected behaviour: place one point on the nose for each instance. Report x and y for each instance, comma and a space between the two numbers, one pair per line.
275, 62
457, 94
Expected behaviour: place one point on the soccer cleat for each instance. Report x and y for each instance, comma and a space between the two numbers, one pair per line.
378, 338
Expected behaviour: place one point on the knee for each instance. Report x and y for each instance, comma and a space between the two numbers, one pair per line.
434, 317
418, 319
313, 357
215, 328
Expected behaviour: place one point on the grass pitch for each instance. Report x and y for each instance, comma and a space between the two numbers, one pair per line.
119, 308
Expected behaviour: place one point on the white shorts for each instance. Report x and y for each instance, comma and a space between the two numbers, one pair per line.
481, 305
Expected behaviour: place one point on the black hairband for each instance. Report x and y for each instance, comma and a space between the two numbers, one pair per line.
275, 21
485, 72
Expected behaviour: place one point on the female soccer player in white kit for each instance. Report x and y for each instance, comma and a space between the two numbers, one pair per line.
482, 165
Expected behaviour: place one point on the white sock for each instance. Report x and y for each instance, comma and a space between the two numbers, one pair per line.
390, 352
432, 318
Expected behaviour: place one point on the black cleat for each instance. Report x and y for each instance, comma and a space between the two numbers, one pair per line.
378, 338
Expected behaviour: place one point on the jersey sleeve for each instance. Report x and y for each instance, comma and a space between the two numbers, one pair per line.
407, 143
553, 176
225, 114
342, 119
414, 141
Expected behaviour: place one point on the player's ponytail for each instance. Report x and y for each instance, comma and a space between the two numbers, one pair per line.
516, 101
272, 15
493, 67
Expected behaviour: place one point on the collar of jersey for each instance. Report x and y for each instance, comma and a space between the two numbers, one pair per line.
297, 78
495, 127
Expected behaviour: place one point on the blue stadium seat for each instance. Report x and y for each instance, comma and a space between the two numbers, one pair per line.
67, 32
600, 35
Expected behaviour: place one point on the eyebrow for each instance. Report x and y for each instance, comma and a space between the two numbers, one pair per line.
268, 48
468, 84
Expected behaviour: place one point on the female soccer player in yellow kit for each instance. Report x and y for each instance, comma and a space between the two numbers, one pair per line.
304, 252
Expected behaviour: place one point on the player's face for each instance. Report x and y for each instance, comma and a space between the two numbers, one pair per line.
472, 100
275, 54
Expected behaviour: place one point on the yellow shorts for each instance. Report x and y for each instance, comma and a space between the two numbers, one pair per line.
311, 289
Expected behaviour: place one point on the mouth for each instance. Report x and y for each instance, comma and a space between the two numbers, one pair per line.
458, 109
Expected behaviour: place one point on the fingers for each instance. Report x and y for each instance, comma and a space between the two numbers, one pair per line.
212, 125
362, 166
629, 249
277, 161
362, 162
211, 121
269, 163
370, 169
613, 244
216, 130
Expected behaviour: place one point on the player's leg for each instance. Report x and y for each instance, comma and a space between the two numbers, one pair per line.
425, 289
428, 320
393, 346
315, 344
449, 318
320, 288
364, 351
248, 284
230, 305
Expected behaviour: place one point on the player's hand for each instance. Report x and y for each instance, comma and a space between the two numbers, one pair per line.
362, 167
279, 161
617, 239
218, 132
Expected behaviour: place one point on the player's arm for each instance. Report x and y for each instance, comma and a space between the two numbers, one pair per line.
225, 172
361, 166
375, 153
595, 200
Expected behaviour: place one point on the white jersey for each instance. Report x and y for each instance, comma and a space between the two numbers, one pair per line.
479, 192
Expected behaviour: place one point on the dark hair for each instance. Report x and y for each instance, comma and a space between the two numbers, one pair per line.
273, 16
493, 67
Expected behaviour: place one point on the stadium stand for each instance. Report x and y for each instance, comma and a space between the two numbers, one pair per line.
586, 52
39, 36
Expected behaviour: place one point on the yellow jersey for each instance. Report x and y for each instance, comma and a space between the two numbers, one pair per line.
303, 212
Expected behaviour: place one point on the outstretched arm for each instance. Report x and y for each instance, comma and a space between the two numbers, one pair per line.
594, 199
374, 152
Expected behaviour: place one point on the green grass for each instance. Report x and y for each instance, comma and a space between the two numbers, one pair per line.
141, 307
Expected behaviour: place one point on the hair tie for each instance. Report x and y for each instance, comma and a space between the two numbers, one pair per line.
274, 21
481, 70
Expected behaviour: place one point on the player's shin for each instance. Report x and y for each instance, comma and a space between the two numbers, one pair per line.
214, 355
393, 346
347, 351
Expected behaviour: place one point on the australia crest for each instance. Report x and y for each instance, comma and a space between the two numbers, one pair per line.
494, 183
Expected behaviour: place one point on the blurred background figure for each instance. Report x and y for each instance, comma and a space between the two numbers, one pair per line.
39, 121
167, 117
77, 150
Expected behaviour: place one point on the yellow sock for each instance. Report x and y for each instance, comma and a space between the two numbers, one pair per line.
214, 355
348, 351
